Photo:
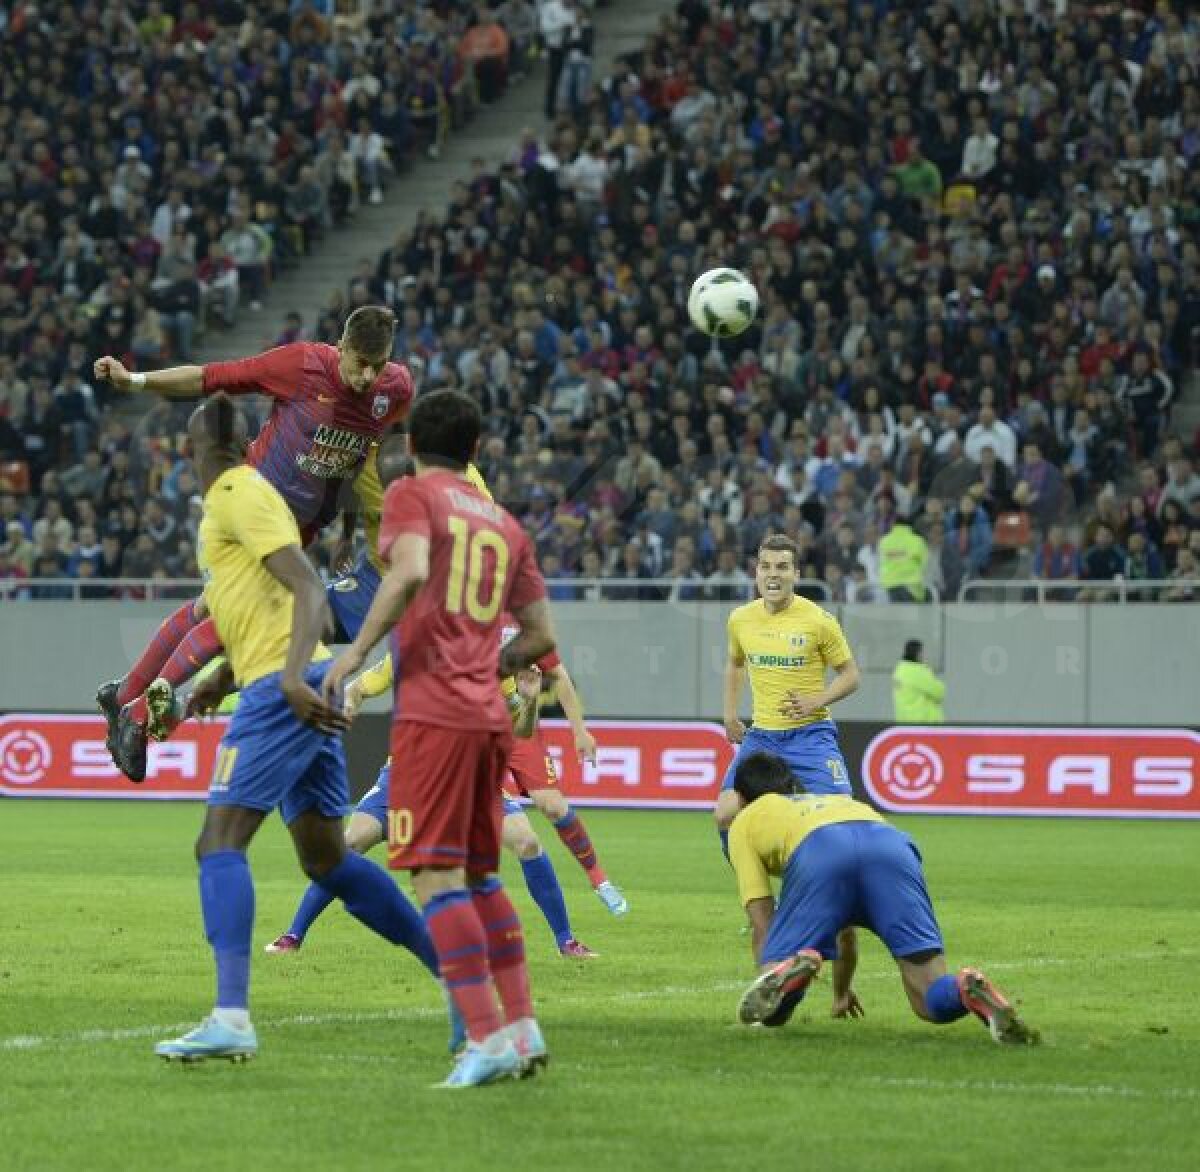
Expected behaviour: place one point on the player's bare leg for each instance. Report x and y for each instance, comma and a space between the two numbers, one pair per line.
519, 837
554, 806
938, 997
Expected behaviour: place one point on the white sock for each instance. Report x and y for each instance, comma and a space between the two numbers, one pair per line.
235, 1019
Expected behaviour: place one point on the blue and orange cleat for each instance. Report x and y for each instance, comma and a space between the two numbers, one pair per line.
773, 997
479, 1065
992, 1008
210, 1039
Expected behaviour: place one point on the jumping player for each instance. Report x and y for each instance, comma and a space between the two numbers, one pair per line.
331, 404
841, 864
368, 826
786, 644
282, 748
457, 563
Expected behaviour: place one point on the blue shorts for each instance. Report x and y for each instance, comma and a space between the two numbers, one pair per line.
811, 751
374, 803
350, 598
863, 873
268, 759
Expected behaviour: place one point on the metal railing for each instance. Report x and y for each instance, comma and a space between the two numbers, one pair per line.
1043, 590
560, 589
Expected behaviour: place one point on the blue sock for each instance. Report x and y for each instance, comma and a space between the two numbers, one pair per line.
723, 835
943, 1001
543, 885
227, 901
314, 901
372, 898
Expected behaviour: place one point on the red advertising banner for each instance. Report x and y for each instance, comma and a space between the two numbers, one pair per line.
1057, 772
671, 765
65, 757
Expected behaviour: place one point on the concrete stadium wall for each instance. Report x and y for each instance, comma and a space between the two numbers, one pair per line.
1012, 663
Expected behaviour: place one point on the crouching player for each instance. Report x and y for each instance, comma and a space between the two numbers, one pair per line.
283, 747
841, 864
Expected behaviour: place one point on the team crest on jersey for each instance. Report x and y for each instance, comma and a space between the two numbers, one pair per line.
379, 406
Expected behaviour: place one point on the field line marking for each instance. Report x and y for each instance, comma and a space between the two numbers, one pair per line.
417, 1012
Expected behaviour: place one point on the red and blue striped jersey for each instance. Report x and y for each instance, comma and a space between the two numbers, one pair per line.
320, 430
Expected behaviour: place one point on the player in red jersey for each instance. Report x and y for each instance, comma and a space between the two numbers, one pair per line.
457, 563
534, 776
331, 404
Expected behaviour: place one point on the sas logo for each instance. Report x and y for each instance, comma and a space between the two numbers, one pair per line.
379, 406
25, 756
1067, 772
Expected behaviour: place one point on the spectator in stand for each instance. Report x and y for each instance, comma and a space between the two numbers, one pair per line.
1103, 561
1146, 393
970, 531
902, 558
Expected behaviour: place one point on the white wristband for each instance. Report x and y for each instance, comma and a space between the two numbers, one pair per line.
138, 379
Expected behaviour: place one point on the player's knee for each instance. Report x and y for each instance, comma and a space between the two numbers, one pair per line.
551, 803
526, 846
363, 836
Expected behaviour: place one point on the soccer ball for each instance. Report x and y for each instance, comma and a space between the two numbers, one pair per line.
722, 303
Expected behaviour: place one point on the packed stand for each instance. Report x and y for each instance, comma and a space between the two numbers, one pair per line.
159, 162
975, 237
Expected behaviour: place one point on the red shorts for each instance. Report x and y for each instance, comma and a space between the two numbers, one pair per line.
530, 767
444, 801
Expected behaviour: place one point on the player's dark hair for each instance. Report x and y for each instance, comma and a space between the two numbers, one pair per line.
764, 773
369, 331
444, 429
223, 419
223, 424
781, 543
392, 460
912, 650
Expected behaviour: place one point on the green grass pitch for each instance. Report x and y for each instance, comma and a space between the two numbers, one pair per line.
1091, 925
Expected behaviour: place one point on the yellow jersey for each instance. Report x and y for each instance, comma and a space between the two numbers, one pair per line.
245, 520
766, 833
785, 652
368, 488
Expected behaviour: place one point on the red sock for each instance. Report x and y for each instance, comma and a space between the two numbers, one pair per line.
505, 949
150, 663
201, 646
461, 946
575, 838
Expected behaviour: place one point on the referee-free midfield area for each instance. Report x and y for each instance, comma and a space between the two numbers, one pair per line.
1090, 925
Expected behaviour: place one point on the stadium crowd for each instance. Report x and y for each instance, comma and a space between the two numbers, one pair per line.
976, 234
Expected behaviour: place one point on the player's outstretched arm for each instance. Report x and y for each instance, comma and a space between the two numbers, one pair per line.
585, 743
176, 382
535, 638
310, 617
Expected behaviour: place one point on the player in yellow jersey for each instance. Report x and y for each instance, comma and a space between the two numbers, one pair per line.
841, 864
282, 749
787, 646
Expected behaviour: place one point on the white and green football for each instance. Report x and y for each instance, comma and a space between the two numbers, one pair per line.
722, 303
